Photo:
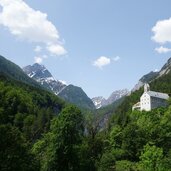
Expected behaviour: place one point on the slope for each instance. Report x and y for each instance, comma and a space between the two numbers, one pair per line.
70, 93
161, 83
40, 74
13, 71
77, 96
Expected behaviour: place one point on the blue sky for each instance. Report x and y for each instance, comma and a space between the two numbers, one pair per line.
99, 45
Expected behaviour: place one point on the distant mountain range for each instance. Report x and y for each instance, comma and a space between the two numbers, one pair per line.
38, 76
116, 95
102, 102
70, 93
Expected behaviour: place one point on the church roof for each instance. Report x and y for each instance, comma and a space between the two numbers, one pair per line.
158, 95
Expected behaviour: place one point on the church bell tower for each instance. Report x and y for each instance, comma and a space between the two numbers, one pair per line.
146, 87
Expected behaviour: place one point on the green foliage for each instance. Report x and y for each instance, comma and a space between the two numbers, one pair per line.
28, 108
125, 165
40, 132
107, 162
60, 151
14, 151
151, 158
25, 113
143, 144
121, 116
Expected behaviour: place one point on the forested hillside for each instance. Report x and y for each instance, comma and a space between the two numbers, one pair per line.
139, 141
25, 114
39, 131
161, 84
13, 71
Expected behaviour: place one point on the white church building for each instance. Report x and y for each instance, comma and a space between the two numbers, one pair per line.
151, 100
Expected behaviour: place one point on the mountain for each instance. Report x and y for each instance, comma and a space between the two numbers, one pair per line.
165, 69
70, 93
77, 96
145, 79
23, 100
13, 71
153, 75
117, 95
44, 77
101, 101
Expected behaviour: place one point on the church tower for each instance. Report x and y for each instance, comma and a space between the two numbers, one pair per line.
146, 87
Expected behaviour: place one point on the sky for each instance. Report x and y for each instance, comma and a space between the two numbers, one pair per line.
99, 45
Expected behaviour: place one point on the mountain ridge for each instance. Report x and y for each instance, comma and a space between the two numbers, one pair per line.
70, 93
100, 101
40, 74
13, 71
147, 78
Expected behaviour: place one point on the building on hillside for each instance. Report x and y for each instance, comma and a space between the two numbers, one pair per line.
151, 100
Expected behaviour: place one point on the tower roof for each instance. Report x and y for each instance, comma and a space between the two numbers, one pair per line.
146, 87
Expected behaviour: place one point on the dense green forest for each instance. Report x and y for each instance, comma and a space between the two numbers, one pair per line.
39, 131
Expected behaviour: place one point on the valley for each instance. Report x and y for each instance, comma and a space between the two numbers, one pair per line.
36, 110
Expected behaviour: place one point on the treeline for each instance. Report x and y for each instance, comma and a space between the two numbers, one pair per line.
13, 71
142, 144
139, 141
161, 84
39, 131
25, 114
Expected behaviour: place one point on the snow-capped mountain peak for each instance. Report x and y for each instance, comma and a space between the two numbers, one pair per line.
44, 77
101, 101
70, 93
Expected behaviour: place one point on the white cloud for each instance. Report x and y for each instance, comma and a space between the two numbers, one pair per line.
117, 58
38, 59
162, 31
38, 49
56, 49
162, 49
29, 24
102, 61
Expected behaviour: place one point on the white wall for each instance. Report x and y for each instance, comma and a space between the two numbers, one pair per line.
145, 101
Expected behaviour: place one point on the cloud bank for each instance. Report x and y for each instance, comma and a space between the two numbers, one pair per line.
162, 31
32, 25
162, 34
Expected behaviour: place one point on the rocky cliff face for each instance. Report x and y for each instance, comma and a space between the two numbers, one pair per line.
165, 69
44, 77
153, 75
101, 101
